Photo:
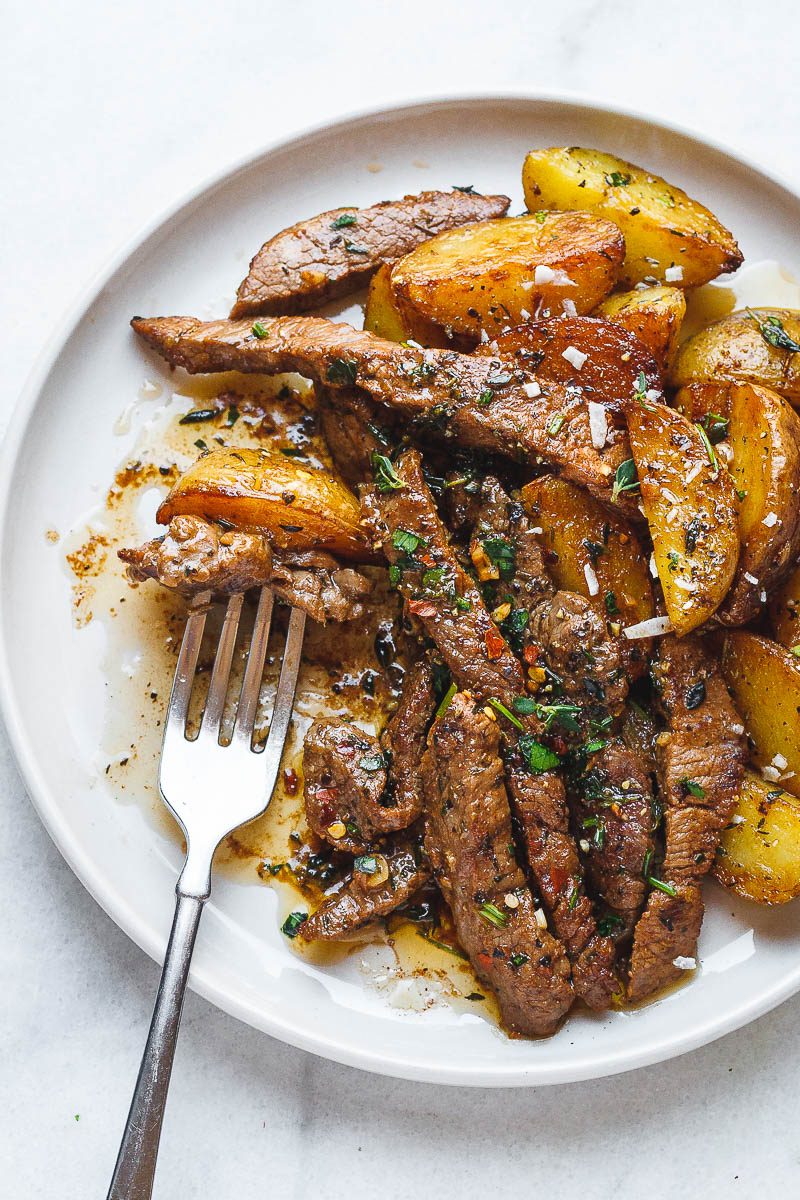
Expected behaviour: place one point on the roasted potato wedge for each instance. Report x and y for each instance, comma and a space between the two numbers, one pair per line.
690, 507
583, 541
301, 507
785, 611
664, 228
384, 316
738, 347
487, 276
764, 679
759, 853
653, 314
614, 364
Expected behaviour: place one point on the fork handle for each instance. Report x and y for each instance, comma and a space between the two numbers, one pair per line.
136, 1161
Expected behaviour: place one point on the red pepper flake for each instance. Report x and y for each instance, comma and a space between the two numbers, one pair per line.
484, 959
290, 781
559, 878
427, 559
532, 654
422, 608
495, 645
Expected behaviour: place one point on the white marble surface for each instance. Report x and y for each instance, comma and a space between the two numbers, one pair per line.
111, 112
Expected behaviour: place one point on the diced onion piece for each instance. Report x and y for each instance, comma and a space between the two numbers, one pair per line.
543, 274
598, 424
591, 579
770, 519
652, 627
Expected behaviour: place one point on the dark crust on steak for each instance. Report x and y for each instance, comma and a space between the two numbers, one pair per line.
317, 260
468, 839
486, 668
196, 556
403, 742
357, 905
478, 402
700, 747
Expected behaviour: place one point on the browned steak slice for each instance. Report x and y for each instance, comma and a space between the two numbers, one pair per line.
353, 431
700, 764
344, 774
438, 591
382, 880
616, 817
338, 251
485, 403
403, 743
468, 839
197, 556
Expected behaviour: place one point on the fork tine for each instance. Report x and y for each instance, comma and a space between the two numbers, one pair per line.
187, 662
251, 684
284, 701
221, 673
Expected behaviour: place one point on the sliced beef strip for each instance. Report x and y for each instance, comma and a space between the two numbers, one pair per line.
616, 817
469, 841
359, 902
338, 251
197, 556
438, 590
483, 403
700, 764
371, 786
540, 806
353, 431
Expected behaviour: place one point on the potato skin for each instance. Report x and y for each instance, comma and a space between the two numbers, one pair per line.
764, 679
696, 551
784, 611
734, 348
659, 221
384, 316
482, 277
759, 853
579, 530
300, 507
653, 314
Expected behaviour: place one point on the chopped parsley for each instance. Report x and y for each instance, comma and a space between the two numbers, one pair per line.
502, 554
408, 542
366, 864
486, 397
384, 474
344, 220
612, 608
692, 789
291, 926
518, 959
259, 330
609, 924
559, 714
342, 372
372, 762
540, 217
525, 705
539, 758
617, 179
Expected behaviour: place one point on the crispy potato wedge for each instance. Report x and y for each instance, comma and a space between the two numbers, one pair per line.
762, 450
735, 348
759, 853
653, 314
579, 532
764, 679
663, 227
784, 611
615, 363
493, 274
690, 507
301, 507
384, 316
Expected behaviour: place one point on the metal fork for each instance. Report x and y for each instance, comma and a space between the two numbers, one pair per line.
211, 789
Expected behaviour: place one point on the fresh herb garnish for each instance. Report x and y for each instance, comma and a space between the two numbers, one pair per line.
667, 888
344, 220
518, 959
446, 700
772, 331
366, 864
539, 758
467, 188
695, 695
674, 559
692, 789
498, 706
617, 179
625, 479
612, 608
342, 372
607, 924
486, 397
291, 926
710, 451
372, 762
559, 714
495, 916
259, 330
525, 705
384, 474
408, 542
514, 627
197, 415
640, 388
716, 427
556, 424
502, 554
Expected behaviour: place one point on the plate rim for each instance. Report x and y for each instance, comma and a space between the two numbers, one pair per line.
152, 942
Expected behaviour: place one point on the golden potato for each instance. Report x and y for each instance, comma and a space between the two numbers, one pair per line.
741, 347
653, 314
384, 316
764, 679
759, 853
579, 532
301, 507
493, 274
666, 232
785, 611
690, 506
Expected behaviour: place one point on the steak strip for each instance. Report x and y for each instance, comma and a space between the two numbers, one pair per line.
338, 251
700, 764
438, 590
469, 842
197, 556
360, 902
486, 403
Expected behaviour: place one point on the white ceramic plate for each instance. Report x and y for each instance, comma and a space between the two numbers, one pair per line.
60, 455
